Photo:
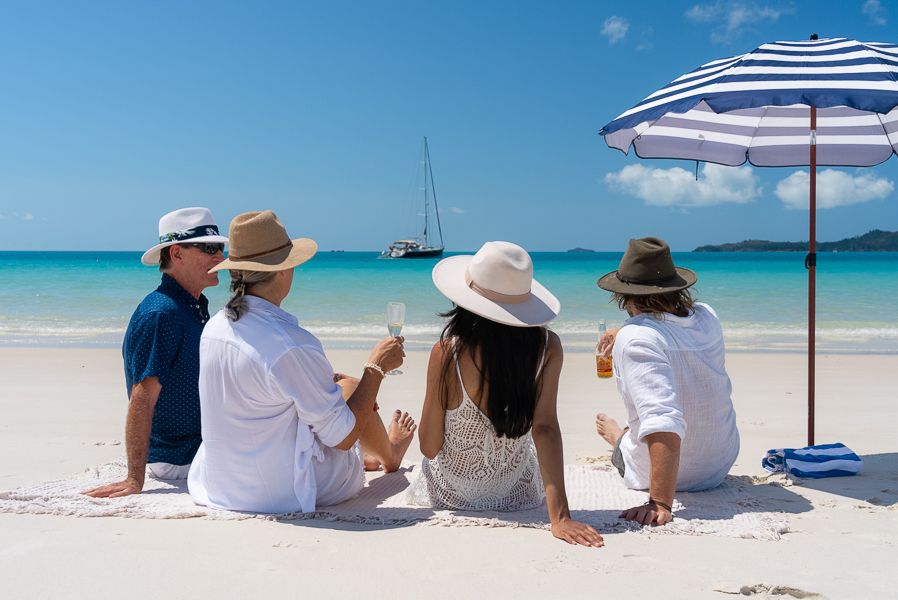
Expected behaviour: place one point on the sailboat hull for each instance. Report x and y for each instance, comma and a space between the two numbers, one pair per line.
413, 253
422, 253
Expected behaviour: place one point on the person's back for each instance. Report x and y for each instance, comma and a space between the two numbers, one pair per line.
492, 388
669, 366
282, 432
477, 469
694, 348
238, 391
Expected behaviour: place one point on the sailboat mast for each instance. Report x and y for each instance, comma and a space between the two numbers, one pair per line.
436, 208
426, 202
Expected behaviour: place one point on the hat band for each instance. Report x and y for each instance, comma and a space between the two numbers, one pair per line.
645, 281
189, 234
260, 254
495, 296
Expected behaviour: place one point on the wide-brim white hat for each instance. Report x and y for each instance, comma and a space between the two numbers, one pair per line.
194, 225
497, 283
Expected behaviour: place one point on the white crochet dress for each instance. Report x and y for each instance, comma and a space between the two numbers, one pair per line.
476, 469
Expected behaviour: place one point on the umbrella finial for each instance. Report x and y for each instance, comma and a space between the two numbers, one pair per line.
813, 36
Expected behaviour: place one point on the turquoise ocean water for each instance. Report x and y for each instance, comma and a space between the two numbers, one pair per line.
84, 299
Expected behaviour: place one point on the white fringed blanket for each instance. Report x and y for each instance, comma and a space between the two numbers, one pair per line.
596, 496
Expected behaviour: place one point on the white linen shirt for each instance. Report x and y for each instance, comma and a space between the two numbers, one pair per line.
268, 403
671, 375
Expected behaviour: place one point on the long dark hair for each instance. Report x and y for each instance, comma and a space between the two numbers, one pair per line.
509, 358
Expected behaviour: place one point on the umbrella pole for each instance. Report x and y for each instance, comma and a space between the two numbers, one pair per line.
811, 266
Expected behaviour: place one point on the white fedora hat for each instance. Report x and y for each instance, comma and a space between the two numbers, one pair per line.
193, 225
497, 283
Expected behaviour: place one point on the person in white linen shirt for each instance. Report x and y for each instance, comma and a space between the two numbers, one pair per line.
668, 361
281, 431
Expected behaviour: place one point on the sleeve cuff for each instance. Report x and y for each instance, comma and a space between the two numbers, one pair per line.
339, 426
661, 425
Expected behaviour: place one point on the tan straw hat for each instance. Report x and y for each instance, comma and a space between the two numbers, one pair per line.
497, 283
259, 242
647, 268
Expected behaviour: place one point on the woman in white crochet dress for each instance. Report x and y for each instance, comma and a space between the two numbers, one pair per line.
492, 385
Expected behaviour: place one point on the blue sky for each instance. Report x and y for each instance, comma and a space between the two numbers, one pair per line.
114, 113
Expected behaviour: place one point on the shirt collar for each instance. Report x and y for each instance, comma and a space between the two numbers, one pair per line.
174, 290
264, 306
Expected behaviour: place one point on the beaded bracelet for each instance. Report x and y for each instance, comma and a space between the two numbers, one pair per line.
370, 365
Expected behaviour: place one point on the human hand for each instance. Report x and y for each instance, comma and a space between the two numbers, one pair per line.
648, 514
388, 353
125, 487
606, 343
574, 532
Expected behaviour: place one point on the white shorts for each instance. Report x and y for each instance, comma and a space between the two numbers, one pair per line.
340, 477
161, 470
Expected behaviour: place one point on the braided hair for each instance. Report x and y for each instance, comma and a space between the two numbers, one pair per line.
241, 283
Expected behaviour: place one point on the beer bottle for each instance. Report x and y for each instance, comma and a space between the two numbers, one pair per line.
603, 363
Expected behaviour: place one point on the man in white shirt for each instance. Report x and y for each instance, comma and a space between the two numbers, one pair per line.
668, 361
281, 431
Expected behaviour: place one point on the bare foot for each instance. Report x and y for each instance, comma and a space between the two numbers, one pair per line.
371, 463
608, 429
400, 433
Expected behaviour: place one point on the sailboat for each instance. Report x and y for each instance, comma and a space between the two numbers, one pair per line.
423, 246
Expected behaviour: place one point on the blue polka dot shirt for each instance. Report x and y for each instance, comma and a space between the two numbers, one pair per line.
163, 340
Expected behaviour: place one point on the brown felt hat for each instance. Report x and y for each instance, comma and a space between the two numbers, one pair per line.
259, 242
647, 268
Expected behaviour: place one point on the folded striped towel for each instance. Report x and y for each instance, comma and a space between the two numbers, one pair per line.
814, 462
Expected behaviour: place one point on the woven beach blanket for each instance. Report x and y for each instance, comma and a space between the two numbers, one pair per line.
596, 496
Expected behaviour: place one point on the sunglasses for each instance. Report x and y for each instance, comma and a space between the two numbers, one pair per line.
208, 248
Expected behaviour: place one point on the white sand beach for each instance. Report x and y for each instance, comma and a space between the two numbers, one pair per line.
63, 412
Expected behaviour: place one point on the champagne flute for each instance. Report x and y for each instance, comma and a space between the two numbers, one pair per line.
395, 321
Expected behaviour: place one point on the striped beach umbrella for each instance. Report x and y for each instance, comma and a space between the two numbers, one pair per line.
831, 102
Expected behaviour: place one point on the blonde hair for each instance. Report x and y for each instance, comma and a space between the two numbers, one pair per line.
678, 303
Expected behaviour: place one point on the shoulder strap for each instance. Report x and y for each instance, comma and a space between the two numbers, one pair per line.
461, 384
542, 360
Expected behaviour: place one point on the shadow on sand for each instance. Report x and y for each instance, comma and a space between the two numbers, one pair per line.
876, 484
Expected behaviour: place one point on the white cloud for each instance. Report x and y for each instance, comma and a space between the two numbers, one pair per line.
678, 187
834, 188
615, 29
732, 18
17, 216
875, 12
645, 39
455, 210
703, 13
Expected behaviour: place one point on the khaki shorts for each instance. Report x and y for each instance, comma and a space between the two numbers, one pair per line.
617, 457
168, 471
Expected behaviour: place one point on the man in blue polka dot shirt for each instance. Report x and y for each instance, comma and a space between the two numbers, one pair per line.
161, 352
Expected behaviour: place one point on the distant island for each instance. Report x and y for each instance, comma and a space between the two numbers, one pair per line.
876, 240
580, 250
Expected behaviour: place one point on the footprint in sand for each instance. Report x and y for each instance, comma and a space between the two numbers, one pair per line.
772, 591
600, 463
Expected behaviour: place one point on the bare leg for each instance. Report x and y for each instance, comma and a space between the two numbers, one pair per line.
387, 445
382, 446
608, 429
